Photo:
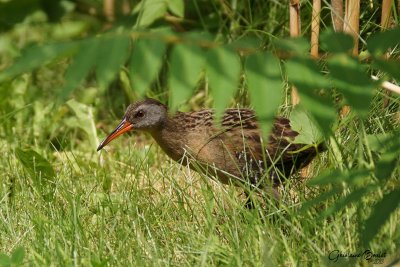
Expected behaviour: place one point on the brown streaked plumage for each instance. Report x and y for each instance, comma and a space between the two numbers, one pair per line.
234, 151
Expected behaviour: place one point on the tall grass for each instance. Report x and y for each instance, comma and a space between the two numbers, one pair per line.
131, 205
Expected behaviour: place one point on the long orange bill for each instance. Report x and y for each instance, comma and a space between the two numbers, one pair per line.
123, 126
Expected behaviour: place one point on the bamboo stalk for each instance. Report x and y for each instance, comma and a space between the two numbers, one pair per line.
294, 11
385, 23
315, 27
294, 28
337, 15
315, 21
126, 7
351, 26
109, 10
351, 21
386, 13
398, 7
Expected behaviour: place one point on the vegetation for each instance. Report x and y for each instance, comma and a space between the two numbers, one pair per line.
69, 68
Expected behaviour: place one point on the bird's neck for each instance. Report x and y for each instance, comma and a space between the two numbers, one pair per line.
171, 137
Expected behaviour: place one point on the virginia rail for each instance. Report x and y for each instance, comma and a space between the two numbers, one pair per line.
232, 150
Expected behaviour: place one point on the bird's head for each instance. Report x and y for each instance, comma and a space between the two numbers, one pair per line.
148, 115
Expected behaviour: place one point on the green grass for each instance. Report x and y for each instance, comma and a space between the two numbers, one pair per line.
133, 206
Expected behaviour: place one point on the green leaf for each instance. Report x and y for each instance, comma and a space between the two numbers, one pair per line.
223, 72
307, 77
177, 7
390, 66
81, 65
379, 43
336, 42
112, 52
388, 161
349, 76
84, 120
342, 202
187, 61
336, 177
145, 63
40, 171
18, 255
319, 199
36, 165
246, 43
357, 176
305, 73
301, 122
5, 260
264, 79
69, 29
36, 56
326, 178
380, 214
379, 142
298, 45
149, 11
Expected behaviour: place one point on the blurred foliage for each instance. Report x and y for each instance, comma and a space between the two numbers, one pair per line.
15, 259
40, 170
61, 58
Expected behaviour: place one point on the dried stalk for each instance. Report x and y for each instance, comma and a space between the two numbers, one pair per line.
351, 26
386, 13
294, 11
109, 10
126, 7
337, 15
385, 23
351, 21
315, 27
305, 172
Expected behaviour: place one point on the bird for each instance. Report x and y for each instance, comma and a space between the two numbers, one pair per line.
231, 149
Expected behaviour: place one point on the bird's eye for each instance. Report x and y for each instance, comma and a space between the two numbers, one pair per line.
139, 114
